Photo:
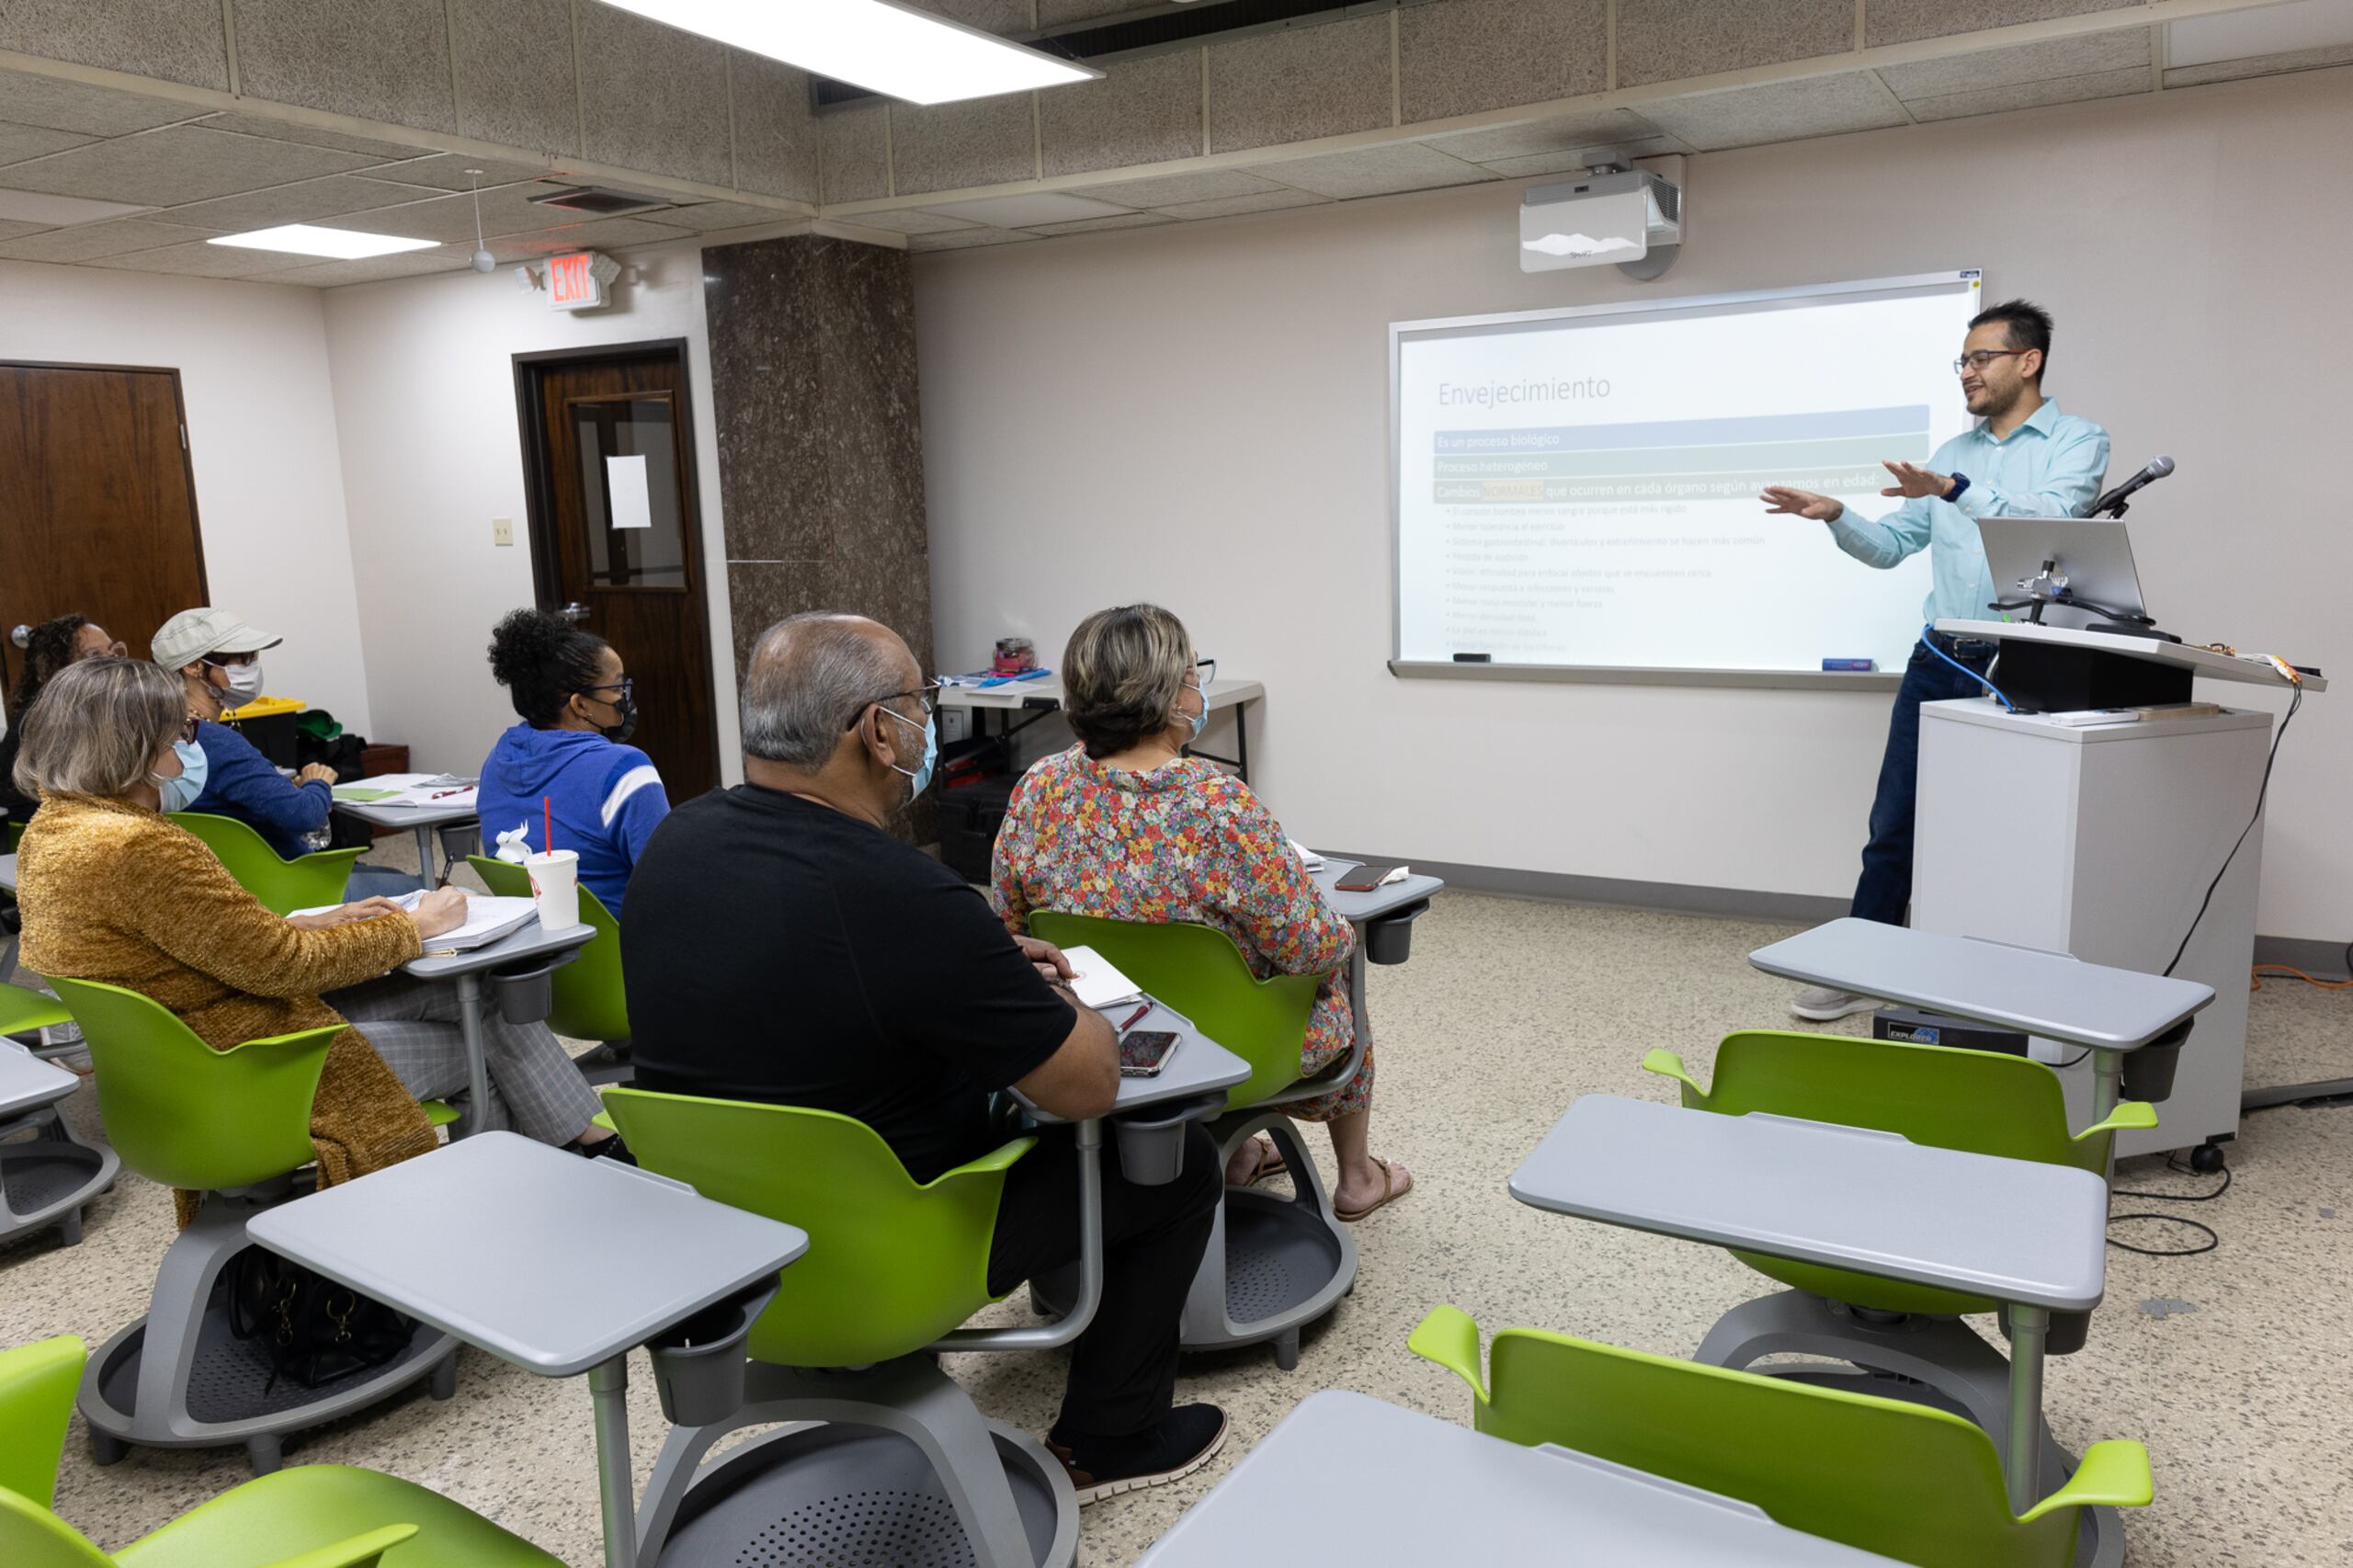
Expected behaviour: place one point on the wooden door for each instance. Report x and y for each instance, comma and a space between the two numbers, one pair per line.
616, 537
97, 509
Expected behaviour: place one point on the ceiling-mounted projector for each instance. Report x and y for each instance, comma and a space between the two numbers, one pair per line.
1614, 215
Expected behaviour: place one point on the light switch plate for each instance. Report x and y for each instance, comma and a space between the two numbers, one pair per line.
501, 530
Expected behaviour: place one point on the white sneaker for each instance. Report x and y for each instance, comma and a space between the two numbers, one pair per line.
1821, 1004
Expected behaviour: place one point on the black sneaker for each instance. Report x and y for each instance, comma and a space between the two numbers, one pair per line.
1172, 1449
611, 1149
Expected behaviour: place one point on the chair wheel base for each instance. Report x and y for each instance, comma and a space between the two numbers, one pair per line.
848, 1494
265, 1454
107, 1448
444, 1382
2207, 1159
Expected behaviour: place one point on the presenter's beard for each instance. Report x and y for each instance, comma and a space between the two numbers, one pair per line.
1985, 402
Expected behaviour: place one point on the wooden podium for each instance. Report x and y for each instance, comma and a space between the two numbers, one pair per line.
2101, 840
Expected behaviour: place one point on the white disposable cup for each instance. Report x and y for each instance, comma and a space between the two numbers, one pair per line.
555, 887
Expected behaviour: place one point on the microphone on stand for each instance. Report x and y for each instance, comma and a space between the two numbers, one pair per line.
2158, 468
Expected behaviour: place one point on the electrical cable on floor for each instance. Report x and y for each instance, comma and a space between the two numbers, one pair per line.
2265, 788
2213, 1240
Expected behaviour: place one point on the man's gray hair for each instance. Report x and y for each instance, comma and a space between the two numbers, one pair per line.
809, 677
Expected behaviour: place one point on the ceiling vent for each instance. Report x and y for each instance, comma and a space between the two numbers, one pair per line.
596, 202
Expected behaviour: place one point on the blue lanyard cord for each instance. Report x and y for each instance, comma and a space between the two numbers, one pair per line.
1927, 642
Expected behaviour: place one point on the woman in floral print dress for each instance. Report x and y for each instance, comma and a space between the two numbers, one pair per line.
1125, 825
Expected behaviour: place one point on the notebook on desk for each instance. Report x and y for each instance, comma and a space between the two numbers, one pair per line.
488, 920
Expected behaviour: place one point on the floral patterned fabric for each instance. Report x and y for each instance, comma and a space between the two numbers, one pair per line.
1185, 841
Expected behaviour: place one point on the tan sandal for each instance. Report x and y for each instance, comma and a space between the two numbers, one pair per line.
1270, 1163
1390, 1192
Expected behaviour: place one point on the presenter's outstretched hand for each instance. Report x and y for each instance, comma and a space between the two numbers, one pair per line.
1781, 501
1914, 482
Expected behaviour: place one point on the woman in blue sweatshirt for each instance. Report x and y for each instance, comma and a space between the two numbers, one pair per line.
568, 754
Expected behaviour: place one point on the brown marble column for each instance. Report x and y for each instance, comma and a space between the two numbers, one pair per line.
812, 372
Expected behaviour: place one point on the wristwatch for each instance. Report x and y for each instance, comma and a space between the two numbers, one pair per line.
1959, 483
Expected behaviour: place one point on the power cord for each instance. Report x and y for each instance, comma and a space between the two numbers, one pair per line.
2213, 1240
2280, 735
1928, 641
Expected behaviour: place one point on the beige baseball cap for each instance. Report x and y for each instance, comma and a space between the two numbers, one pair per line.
196, 634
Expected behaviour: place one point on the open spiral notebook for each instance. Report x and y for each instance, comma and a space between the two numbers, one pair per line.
488, 919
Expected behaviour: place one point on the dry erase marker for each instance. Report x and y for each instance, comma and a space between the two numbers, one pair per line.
1472, 658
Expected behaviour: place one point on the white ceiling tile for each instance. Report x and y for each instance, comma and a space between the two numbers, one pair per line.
87, 241
2034, 95
183, 163
299, 203
1089, 226
506, 210
2043, 61
2273, 30
1375, 171
908, 220
604, 234
1582, 157
1021, 212
1233, 206
708, 216
11, 228
18, 143
310, 136
1565, 133
2261, 65
1776, 111
1167, 190
60, 105
200, 260
963, 239
448, 171
57, 211
376, 269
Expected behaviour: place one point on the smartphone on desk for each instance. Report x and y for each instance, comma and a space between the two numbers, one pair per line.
1365, 879
1143, 1053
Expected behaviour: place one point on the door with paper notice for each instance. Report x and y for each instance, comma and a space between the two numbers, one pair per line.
617, 540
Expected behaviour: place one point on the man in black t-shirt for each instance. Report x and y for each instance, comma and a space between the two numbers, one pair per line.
781, 946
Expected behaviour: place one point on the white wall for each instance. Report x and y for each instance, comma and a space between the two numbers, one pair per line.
270, 498
1198, 415
425, 399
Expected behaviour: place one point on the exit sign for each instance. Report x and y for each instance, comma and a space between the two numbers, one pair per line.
576, 282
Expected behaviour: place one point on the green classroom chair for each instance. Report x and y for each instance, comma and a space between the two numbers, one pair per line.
307, 882
1976, 1101
590, 1003
892, 1266
23, 1010
1903, 1480
1200, 971
314, 1517
233, 1125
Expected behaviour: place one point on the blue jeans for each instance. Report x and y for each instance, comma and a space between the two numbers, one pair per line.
1884, 890
376, 882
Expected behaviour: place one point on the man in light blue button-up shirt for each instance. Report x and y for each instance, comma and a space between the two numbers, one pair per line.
2023, 459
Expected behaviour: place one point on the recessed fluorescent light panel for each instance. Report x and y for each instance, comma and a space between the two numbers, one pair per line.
304, 239
875, 44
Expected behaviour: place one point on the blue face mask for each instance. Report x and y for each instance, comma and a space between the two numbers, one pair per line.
180, 793
1199, 720
922, 775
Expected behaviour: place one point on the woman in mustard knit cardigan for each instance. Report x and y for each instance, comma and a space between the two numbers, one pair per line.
113, 892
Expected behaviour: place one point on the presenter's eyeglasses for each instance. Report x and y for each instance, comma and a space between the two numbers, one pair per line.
1979, 358
924, 694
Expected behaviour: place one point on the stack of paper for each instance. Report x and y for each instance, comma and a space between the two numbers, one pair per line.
1098, 980
1307, 857
408, 789
488, 920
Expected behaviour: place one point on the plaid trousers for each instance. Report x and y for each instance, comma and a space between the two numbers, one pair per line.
414, 1024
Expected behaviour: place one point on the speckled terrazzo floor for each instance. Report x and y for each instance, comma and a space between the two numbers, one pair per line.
1507, 1011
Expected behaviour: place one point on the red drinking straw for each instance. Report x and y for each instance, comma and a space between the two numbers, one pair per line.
547, 805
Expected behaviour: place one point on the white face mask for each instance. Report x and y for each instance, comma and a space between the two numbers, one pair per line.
245, 683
